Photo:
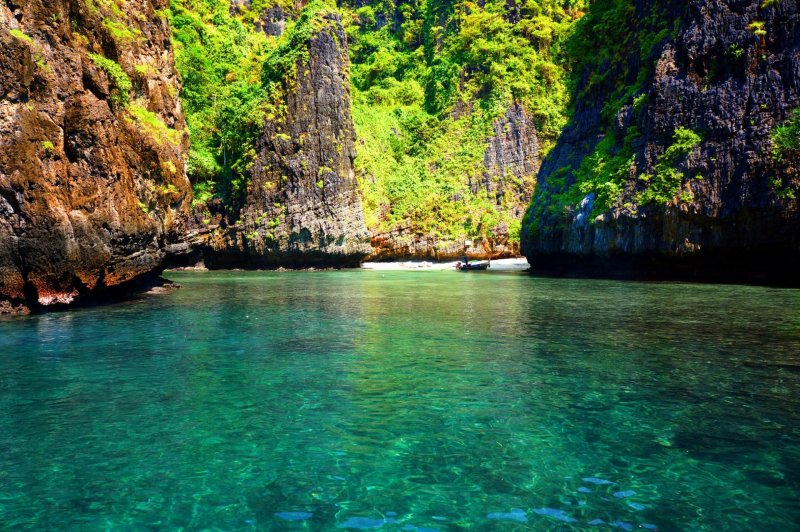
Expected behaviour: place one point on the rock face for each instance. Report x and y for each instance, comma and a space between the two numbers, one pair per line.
273, 21
302, 207
92, 178
403, 243
512, 157
729, 72
511, 161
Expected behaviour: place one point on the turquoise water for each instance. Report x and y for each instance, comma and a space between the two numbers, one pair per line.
406, 401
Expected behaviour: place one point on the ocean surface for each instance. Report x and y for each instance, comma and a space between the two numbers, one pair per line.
411, 401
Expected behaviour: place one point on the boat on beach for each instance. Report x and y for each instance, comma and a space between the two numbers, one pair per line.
473, 267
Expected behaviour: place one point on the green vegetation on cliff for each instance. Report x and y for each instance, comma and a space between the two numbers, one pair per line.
665, 182
233, 76
438, 54
429, 80
220, 58
598, 52
786, 137
120, 82
786, 148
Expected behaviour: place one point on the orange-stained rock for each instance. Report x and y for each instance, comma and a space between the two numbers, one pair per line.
90, 194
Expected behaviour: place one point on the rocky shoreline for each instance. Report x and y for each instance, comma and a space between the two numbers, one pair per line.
762, 267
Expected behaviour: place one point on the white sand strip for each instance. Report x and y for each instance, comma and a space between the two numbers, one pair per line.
518, 264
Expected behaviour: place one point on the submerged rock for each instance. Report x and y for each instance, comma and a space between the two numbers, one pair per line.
365, 523
598, 481
294, 516
514, 515
559, 515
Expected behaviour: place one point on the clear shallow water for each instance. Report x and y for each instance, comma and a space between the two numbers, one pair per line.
406, 400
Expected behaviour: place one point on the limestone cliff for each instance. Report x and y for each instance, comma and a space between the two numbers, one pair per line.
510, 163
666, 168
301, 207
512, 157
92, 178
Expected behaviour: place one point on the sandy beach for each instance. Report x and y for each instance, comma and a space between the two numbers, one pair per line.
517, 264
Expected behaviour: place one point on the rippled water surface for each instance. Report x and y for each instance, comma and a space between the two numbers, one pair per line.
406, 401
